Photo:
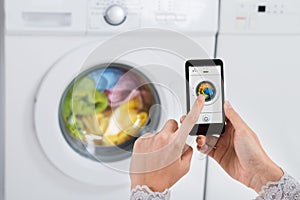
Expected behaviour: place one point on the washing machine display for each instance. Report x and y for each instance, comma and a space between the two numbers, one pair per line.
107, 107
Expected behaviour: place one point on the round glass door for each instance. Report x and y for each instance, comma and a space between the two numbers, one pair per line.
105, 109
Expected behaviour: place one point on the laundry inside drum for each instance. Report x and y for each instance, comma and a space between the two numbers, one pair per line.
107, 106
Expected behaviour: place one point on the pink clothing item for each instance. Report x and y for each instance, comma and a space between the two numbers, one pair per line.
126, 89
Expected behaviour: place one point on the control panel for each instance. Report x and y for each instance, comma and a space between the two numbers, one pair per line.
110, 16
261, 16
188, 15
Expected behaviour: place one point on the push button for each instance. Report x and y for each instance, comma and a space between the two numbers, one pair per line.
205, 118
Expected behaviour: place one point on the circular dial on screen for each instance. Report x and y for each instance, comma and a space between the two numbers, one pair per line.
207, 89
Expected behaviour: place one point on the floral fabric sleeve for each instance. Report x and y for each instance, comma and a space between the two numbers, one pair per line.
287, 188
145, 193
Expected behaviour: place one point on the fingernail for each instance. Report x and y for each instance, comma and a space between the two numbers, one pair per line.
228, 105
201, 98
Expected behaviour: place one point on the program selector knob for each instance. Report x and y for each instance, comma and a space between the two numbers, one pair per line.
115, 15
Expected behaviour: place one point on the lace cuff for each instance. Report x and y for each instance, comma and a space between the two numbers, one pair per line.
145, 193
286, 188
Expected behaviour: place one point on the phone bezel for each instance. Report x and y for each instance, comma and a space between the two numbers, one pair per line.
211, 128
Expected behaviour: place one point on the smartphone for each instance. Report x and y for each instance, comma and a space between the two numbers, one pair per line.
205, 77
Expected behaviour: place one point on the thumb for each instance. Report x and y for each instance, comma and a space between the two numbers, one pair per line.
234, 117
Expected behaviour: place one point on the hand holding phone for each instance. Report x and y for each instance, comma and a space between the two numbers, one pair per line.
205, 77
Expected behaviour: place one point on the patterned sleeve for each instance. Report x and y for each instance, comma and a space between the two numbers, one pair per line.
287, 188
145, 193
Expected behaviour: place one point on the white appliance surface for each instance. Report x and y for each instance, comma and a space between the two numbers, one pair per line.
260, 50
39, 38
1, 100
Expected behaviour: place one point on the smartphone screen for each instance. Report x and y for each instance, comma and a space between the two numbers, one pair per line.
205, 77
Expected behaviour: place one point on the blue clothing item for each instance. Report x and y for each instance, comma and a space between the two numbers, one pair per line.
107, 78
208, 92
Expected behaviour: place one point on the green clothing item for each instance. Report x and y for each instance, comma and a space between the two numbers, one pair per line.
82, 99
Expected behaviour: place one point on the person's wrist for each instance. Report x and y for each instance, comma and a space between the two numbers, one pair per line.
270, 172
155, 187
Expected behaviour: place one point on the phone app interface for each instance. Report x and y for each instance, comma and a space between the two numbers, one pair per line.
207, 81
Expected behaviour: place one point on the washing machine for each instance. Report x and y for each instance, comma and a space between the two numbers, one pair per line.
84, 79
259, 42
1, 99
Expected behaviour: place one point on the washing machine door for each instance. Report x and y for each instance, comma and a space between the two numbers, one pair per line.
92, 105
106, 108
